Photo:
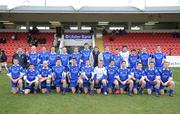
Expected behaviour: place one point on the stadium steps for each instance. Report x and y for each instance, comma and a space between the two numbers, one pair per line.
11, 46
148, 40
100, 43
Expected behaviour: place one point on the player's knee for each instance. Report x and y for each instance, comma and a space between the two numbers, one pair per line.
48, 80
172, 83
26, 92
104, 81
80, 81
116, 83
20, 81
161, 92
131, 82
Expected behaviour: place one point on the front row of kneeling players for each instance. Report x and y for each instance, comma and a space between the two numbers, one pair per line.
108, 79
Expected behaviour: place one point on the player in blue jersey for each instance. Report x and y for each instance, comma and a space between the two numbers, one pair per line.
52, 57
100, 78
144, 57
31, 80
43, 55
159, 58
45, 74
133, 59
87, 76
76, 54
106, 56
33, 57
152, 79
75, 81
65, 57
111, 73
124, 78
59, 77
117, 58
85, 54
15, 73
138, 76
166, 78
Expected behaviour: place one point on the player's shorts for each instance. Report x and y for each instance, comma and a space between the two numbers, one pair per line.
111, 83
14, 85
27, 86
58, 82
123, 85
162, 87
86, 83
43, 84
149, 85
95, 78
73, 83
136, 84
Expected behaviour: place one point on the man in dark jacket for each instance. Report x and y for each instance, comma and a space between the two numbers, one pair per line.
3, 60
21, 56
94, 57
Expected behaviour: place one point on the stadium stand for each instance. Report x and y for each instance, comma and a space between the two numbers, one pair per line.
11, 45
169, 44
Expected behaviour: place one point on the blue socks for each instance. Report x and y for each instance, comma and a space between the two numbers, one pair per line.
171, 91
48, 87
105, 87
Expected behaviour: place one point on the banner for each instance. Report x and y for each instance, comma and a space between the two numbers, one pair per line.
174, 61
77, 36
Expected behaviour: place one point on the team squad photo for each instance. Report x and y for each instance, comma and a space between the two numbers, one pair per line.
91, 72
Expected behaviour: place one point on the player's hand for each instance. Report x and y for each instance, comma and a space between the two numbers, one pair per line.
30, 83
123, 82
14, 81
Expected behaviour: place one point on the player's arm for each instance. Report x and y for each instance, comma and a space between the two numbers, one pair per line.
21, 73
170, 78
9, 74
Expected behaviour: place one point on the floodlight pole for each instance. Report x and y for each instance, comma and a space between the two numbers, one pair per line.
45, 2
144, 3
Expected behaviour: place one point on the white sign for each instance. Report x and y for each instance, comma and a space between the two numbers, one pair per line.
174, 61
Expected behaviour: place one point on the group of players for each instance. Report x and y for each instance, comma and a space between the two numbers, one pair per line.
115, 73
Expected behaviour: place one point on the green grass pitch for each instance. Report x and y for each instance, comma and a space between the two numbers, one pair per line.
87, 104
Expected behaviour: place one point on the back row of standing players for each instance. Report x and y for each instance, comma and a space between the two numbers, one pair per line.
88, 70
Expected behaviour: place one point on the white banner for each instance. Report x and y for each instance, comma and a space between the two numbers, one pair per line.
174, 61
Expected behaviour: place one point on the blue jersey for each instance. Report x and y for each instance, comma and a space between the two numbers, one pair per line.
138, 74
151, 74
85, 56
52, 59
107, 56
15, 71
43, 56
165, 74
74, 72
64, 59
112, 71
123, 74
77, 56
159, 59
144, 57
34, 58
58, 72
117, 59
88, 70
45, 72
133, 60
31, 75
